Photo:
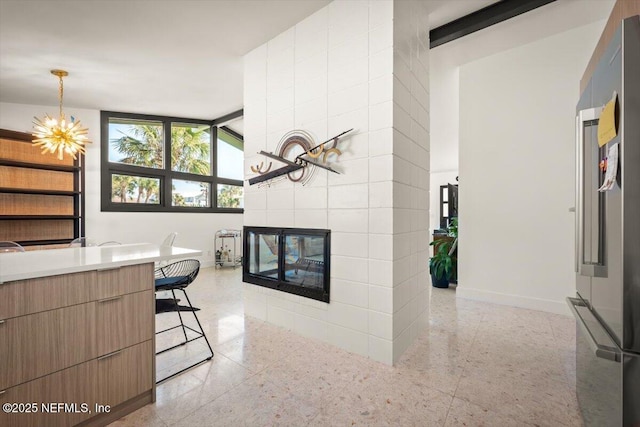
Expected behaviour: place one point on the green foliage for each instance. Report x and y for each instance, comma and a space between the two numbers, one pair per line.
190, 148
229, 196
122, 186
178, 200
441, 264
444, 262
144, 148
452, 230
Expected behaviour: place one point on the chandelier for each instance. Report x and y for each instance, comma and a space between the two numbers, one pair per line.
59, 135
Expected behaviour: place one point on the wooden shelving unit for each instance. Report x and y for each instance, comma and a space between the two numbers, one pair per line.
41, 200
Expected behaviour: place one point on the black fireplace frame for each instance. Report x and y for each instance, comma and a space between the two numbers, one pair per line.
279, 283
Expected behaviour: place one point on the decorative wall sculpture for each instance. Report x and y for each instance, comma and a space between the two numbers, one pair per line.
297, 151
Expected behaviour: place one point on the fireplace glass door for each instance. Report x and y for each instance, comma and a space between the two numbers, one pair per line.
304, 260
291, 260
263, 253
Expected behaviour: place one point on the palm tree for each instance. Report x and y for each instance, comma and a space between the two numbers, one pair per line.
190, 149
230, 196
151, 187
144, 148
146, 187
122, 185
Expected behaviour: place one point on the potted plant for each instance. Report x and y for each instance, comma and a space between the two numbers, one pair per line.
443, 263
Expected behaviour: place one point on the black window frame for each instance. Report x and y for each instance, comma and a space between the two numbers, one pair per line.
165, 174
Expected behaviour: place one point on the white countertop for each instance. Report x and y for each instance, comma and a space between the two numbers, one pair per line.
51, 262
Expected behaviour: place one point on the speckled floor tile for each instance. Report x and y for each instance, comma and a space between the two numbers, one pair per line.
467, 414
145, 416
253, 403
475, 364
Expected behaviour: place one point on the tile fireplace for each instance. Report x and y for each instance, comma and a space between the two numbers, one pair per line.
293, 260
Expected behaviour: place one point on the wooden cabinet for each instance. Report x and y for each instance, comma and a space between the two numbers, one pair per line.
120, 281
36, 345
78, 338
124, 320
125, 374
40, 195
67, 386
46, 293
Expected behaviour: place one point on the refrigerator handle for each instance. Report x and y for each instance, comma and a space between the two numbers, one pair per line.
601, 351
585, 269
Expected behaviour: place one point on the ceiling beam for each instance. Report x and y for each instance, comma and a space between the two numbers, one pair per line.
480, 19
228, 117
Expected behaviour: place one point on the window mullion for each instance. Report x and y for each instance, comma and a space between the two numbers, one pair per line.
167, 197
214, 167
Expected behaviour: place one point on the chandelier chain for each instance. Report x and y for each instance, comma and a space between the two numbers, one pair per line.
60, 94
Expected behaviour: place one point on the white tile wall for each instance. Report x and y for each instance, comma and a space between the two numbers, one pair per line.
380, 349
311, 218
344, 314
381, 273
350, 268
354, 171
354, 196
310, 198
351, 50
381, 246
350, 220
349, 292
349, 244
380, 194
310, 327
381, 299
353, 64
381, 142
348, 339
381, 325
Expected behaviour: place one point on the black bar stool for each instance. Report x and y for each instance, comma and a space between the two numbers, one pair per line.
176, 277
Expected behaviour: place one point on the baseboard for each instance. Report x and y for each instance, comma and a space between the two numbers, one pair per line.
207, 263
539, 304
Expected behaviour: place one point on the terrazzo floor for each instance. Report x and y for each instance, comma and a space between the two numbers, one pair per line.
478, 364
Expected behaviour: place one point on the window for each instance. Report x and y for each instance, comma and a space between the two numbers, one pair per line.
166, 164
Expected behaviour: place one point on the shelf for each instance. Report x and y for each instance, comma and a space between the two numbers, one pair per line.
49, 191
44, 242
41, 217
58, 168
39, 192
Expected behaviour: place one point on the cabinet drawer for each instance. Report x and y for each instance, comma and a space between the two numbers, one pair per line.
35, 345
125, 280
35, 295
72, 385
125, 374
124, 320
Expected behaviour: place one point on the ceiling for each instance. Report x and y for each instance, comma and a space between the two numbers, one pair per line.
175, 58
166, 57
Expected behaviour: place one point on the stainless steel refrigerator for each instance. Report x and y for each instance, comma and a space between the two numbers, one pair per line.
607, 301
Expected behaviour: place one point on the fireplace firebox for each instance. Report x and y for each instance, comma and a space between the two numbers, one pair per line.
293, 260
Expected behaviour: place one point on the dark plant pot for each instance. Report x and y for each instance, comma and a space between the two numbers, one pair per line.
439, 283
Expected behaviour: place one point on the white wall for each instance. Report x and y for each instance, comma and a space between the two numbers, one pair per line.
353, 64
194, 230
517, 171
